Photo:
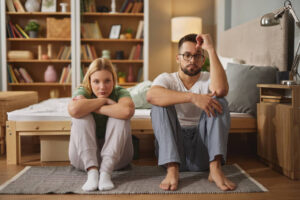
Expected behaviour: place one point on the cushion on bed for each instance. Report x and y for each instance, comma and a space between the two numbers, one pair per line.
242, 79
138, 94
225, 60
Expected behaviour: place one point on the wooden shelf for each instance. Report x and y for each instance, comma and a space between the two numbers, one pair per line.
119, 61
111, 40
40, 14
39, 61
40, 84
95, 14
38, 40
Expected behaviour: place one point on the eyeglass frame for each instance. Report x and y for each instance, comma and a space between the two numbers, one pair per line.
192, 56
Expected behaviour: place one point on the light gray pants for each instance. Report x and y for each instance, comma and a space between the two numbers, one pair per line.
192, 147
114, 152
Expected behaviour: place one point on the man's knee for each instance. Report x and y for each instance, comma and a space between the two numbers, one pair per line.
224, 104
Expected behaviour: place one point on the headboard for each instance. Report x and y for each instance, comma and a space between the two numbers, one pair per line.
262, 46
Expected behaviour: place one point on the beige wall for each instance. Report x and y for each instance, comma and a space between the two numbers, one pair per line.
162, 51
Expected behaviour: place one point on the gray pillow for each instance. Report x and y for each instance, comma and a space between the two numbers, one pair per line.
138, 94
242, 79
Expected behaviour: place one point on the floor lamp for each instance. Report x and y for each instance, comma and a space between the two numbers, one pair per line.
272, 19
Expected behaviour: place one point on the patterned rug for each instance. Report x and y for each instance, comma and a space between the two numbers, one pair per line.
133, 180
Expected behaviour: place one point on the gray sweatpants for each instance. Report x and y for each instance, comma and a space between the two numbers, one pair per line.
114, 152
192, 147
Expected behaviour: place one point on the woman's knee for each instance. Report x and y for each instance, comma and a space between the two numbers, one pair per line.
87, 120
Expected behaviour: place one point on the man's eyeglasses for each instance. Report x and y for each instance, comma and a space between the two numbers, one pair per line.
188, 56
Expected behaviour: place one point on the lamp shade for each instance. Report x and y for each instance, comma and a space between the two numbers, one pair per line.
182, 26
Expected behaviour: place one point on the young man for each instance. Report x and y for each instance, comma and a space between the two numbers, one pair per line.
190, 118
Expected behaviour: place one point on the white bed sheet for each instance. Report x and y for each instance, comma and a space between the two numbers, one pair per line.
56, 110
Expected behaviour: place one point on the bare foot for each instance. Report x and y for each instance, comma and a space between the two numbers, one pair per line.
171, 180
216, 175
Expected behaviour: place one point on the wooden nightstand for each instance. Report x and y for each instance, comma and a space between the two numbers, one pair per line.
278, 126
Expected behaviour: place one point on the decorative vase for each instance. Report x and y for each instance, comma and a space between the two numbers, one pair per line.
50, 74
32, 5
106, 54
130, 77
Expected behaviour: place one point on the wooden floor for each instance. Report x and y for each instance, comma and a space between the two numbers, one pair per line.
279, 186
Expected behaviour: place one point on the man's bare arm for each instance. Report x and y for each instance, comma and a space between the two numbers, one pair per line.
218, 79
161, 96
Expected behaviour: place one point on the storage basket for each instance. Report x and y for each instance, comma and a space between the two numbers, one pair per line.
58, 28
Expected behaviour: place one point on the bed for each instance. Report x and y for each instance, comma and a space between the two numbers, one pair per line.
250, 42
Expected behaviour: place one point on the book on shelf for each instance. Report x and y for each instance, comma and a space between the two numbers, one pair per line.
18, 5
140, 77
22, 31
64, 53
140, 30
64, 74
10, 6
11, 74
88, 52
25, 75
137, 52
19, 76
124, 5
129, 7
91, 30
132, 52
88, 5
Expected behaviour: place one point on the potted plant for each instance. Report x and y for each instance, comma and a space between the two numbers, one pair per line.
32, 28
121, 77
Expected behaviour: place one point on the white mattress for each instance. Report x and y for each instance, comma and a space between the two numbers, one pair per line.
56, 110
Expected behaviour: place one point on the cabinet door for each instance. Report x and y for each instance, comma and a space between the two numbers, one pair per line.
275, 136
266, 130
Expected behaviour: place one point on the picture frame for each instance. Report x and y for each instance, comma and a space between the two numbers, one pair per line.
115, 31
48, 6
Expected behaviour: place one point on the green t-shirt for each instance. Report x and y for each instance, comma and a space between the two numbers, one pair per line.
101, 120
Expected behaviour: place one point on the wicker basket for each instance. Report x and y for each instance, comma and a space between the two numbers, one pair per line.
58, 28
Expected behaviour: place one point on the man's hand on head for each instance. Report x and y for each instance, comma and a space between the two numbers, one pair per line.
204, 41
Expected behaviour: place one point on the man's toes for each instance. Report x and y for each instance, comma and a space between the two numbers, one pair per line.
230, 185
164, 186
223, 187
173, 187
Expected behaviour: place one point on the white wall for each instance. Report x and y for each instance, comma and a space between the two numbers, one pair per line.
241, 11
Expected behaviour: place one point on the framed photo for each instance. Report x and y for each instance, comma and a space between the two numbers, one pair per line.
115, 31
48, 6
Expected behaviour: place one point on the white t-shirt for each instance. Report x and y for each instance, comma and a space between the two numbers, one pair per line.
188, 113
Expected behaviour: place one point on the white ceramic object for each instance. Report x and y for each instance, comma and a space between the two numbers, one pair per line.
32, 5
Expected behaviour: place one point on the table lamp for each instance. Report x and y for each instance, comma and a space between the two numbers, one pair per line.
272, 19
181, 26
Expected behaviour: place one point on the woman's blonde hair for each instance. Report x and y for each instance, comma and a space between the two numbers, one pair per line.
98, 65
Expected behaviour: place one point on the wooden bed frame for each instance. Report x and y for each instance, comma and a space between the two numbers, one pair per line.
16, 129
250, 42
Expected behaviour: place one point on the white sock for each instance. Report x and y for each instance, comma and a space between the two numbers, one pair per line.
105, 182
92, 180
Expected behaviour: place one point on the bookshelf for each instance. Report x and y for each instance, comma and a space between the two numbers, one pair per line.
129, 22
44, 49
35, 66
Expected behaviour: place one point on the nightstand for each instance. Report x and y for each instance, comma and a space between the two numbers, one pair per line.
278, 126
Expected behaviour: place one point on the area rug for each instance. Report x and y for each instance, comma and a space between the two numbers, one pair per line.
133, 180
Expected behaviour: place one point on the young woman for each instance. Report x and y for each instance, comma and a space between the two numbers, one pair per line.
100, 134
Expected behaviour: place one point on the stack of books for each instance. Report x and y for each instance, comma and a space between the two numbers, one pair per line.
18, 75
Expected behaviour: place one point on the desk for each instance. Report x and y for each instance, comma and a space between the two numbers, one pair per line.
10, 101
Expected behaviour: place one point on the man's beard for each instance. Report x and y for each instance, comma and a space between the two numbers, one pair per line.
190, 73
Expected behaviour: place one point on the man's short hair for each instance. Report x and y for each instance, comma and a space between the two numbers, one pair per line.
187, 38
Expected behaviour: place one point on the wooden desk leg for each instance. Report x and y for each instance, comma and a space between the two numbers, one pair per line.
11, 143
